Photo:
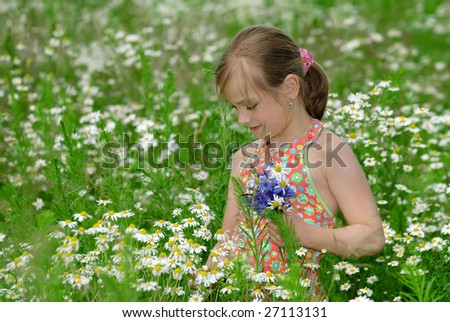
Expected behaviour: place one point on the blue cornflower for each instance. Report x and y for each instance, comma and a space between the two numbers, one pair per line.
270, 189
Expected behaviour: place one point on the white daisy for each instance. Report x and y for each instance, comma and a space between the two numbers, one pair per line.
277, 172
365, 291
131, 229
199, 209
38, 204
413, 260
174, 291
104, 202
228, 289
126, 214
372, 279
82, 216
141, 235
446, 230
276, 203
257, 294
266, 277
67, 223
370, 162
148, 286
57, 234
111, 215
301, 251
177, 212
196, 297
177, 274
345, 286
350, 269
190, 222
305, 282
159, 223
220, 235
416, 230
78, 280
361, 299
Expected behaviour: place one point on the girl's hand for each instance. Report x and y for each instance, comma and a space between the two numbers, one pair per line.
193, 283
299, 227
274, 234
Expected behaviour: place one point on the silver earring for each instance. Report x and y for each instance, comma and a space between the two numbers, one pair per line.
291, 106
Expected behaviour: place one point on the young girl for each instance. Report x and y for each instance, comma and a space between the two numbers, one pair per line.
280, 94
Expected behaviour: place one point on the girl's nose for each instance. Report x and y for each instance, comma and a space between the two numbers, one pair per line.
243, 117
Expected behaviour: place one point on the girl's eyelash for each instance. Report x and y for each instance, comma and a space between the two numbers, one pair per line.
248, 107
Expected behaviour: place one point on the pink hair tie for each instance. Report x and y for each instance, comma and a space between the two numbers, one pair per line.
307, 59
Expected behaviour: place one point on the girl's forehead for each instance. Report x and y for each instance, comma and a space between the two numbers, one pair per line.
240, 89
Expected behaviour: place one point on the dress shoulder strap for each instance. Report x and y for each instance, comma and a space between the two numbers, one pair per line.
314, 132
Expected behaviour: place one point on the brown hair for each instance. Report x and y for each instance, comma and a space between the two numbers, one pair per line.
273, 55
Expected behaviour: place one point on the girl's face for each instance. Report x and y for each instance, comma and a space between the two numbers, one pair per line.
261, 112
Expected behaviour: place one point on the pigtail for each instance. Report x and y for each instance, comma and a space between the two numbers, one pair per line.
315, 91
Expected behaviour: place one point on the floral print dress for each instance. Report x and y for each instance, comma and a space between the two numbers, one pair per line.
307, 203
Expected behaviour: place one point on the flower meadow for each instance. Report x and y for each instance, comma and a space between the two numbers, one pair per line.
115, 151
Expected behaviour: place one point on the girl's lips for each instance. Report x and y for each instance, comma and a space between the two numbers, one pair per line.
255, 128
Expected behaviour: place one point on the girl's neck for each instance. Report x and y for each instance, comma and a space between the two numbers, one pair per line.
296, 128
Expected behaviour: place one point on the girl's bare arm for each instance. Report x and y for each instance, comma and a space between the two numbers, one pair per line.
363, 235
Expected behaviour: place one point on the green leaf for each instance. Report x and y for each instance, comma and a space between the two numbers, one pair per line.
45, 220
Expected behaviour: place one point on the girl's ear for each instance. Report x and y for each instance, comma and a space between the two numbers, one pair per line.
292, 86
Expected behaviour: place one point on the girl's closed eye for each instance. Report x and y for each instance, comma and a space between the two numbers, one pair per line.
252, 107
249, 107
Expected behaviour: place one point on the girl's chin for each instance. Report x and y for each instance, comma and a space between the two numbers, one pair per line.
265, 136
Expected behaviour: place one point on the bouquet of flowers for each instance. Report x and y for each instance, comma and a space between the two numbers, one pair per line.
270, 198
270, 192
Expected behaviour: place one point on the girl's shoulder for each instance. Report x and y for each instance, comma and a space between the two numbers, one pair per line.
246, 156
328, 138
333, 155
328, 148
